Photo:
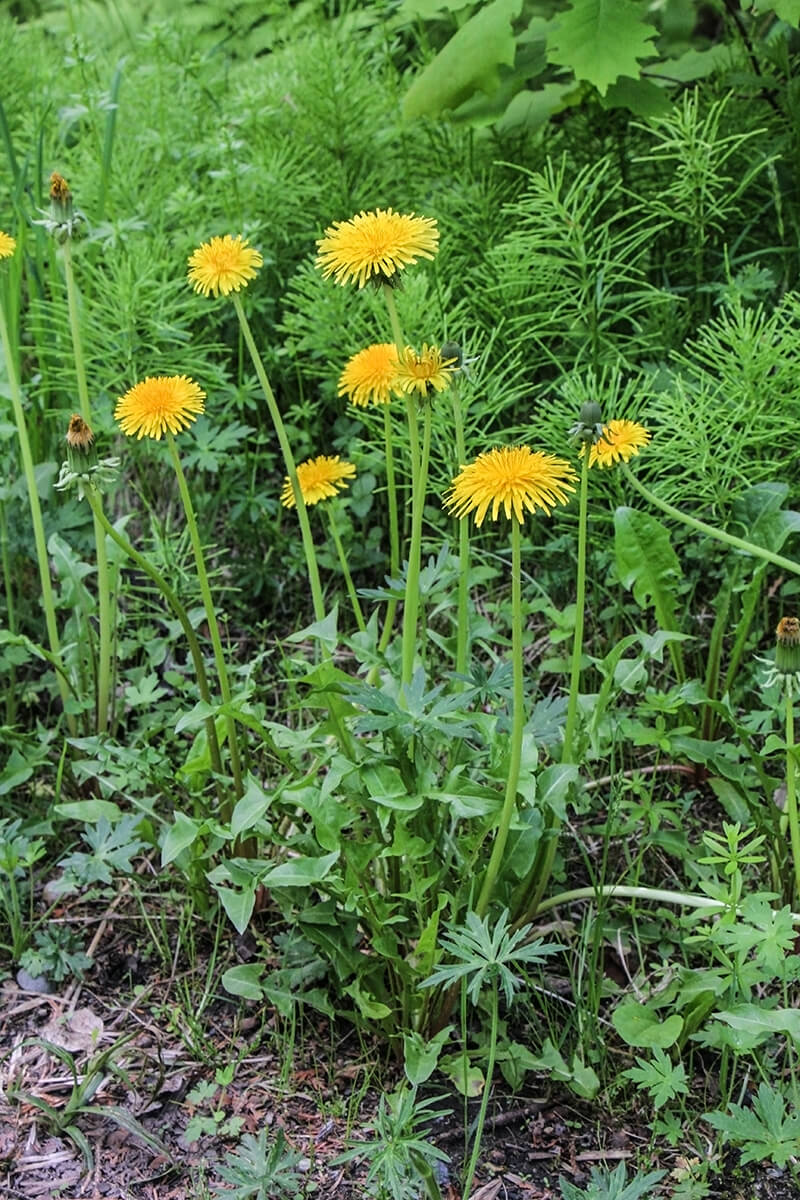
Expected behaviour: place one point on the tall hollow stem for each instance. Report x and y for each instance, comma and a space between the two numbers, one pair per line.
211, 616
343, 563
394, 524
180, 612
48, 602
517, 725
411, 603
711, 530
791, 789
288, 460
104, 607
539, 877
462, 629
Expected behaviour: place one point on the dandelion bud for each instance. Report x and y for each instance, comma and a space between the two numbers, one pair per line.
787, 650
589, 426
452, 351
81, 453
82, 468
63, 219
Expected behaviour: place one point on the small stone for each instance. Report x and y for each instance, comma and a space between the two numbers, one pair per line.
33, 983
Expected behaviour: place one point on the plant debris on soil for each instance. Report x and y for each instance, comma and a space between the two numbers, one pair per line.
155, 1123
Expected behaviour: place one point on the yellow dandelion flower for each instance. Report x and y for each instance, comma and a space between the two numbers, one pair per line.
620, 440
515, 478
223, 265
159, 404
319, 479
421, 372
370, 376
378, 244
7, 245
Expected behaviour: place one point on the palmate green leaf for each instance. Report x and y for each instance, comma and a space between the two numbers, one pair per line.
600, 40
662, 1078
467, 63
764, 1131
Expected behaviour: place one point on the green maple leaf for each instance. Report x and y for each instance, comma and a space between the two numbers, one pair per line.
601, 40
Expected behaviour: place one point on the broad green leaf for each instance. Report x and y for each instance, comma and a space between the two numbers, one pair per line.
787, 10
553, 788
323, 631
531, 108
89, 811
299, 872
469, 1081
640, 1025
600, 40
196, 716
244, 980
16, 772
250, 808
368, 1006
639, 96
420, 1057
763, 1022
238, 905
584, 1080
468, 62
181, 833
646, 562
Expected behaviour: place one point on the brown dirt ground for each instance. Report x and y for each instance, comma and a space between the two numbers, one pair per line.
323, 1096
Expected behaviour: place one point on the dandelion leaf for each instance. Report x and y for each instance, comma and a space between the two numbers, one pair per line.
646, 562
467, 63
600, 40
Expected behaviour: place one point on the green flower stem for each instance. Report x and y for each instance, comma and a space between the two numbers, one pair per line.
394, 525
288, 460
517, 723
568, 750
487, 1087
36, 514
536, 884
542, 869
103, 579
348, 578
411, 602
172, 600
211, 616
791, 789
5, 560
728, 538
411, 409
462, 636
334, 706
613, 890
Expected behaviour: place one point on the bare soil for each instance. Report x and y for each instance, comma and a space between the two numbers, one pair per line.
146, 1036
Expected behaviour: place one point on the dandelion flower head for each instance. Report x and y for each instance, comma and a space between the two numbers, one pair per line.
223, 265
425, 371
370, 376
159, 405
79, 435
515, 479
620, 440
319, 479
7, 245
375, 244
